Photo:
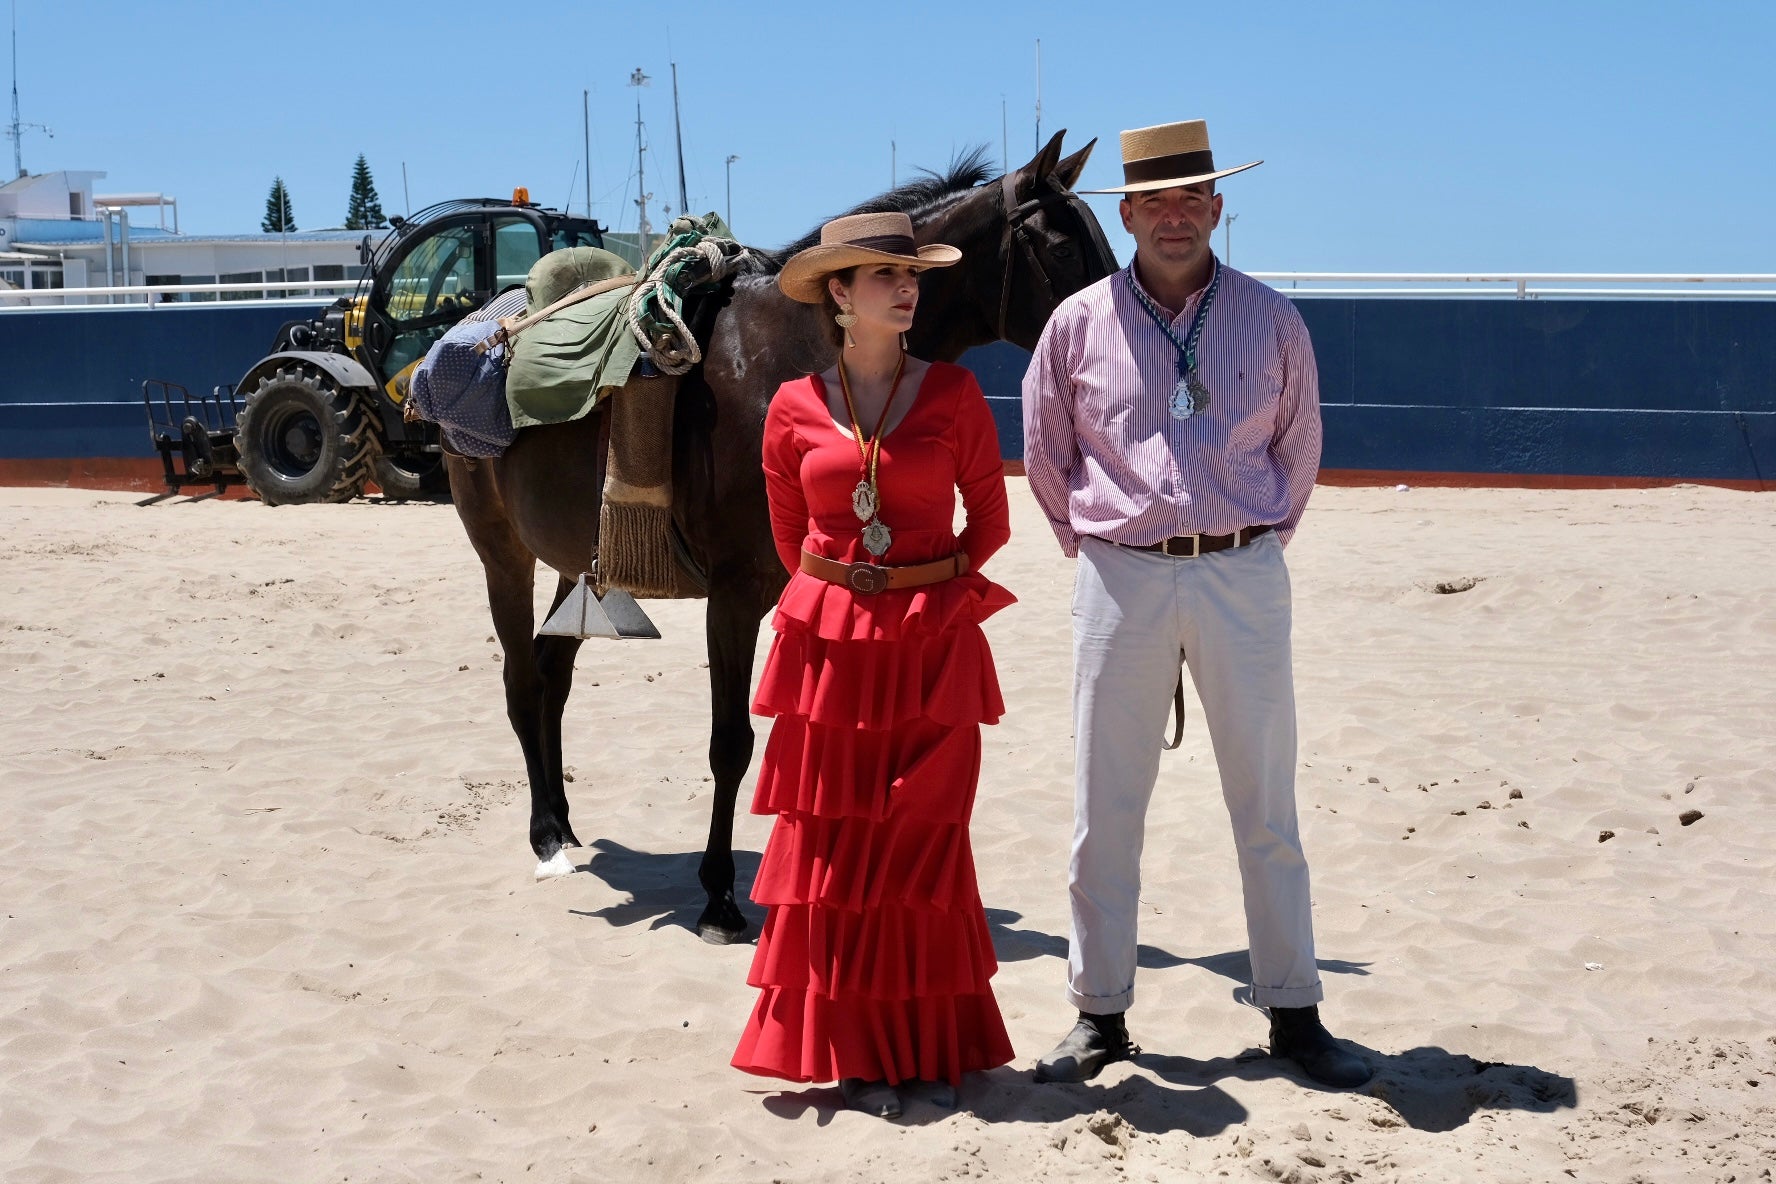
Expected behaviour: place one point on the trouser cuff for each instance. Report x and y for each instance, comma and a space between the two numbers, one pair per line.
1287, 996
1102, 1004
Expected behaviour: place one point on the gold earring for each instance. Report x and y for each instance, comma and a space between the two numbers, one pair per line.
903, 344
846, 319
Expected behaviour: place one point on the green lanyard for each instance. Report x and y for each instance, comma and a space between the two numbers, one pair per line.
1190, 395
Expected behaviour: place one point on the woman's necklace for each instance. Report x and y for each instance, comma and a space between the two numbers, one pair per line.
866, 499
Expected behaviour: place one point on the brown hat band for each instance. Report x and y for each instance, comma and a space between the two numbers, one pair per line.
1160, 168
892, 244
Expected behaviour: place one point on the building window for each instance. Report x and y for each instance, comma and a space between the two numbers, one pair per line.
198, 279
243, 277
162, 297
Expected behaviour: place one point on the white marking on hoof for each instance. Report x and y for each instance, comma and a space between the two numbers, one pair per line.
557, 865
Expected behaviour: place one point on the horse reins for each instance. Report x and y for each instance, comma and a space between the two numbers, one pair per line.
1016, 235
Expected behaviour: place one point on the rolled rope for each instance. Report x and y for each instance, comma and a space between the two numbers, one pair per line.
670, 345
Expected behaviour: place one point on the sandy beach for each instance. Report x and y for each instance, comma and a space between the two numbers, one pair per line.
269, 912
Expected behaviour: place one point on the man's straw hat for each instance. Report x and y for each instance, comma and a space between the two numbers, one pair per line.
859, 238
1168, 155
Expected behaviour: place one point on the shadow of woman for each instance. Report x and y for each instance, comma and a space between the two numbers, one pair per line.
1007, 1094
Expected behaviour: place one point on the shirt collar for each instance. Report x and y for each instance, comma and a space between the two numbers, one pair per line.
1173, 313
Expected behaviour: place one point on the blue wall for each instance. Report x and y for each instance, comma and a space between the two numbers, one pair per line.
71, 379
1605, 388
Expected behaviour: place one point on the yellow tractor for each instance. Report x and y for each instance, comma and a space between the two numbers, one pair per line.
320, 415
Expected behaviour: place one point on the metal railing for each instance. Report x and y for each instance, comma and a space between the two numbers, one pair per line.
1523, 285
1494, 285
142, 295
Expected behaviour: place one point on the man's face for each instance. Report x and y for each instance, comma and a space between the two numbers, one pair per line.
1171, 227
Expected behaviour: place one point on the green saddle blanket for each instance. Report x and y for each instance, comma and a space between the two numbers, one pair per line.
561, 365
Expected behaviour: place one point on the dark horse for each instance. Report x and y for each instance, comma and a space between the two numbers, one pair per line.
1026, 243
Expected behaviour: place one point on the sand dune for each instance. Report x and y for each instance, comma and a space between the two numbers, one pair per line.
269, 913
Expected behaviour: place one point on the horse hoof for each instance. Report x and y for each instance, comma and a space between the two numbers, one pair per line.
722, 922
718, 935
556, 865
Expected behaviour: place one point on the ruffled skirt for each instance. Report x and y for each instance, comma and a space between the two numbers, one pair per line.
875, 960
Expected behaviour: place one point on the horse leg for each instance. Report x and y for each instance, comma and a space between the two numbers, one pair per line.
733, 625
510, 570
553, 658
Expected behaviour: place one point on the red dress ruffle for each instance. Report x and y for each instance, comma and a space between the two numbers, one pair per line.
875, 960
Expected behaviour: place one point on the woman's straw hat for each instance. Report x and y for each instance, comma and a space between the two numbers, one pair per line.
858, 238
1168, 155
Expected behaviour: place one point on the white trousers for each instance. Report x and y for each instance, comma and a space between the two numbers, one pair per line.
1229, 613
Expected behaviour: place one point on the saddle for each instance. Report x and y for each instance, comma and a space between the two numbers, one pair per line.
594, 333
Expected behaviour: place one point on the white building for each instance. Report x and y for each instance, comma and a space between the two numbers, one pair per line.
55, 233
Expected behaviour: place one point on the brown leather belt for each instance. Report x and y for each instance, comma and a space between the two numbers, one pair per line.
1189, 546
867, 579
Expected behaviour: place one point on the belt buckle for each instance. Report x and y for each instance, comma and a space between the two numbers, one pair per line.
1196, 547
866, 579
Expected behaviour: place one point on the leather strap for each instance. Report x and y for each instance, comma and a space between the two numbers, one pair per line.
1177, 714
1189, 546
511, 327
867, 579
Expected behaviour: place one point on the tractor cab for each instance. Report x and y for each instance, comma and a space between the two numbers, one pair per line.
461, 257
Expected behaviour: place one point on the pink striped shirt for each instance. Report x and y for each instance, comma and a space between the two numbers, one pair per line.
1105, 457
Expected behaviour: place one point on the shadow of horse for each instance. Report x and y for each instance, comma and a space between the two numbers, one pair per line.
654, 883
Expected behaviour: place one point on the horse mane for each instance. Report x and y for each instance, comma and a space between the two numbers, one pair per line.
917, 199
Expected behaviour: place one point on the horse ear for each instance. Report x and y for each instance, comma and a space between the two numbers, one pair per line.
1046, 159
1067, 171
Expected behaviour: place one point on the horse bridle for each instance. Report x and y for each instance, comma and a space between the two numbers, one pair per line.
1016, 239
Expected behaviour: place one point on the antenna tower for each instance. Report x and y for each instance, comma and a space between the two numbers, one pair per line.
15, 131
638, 79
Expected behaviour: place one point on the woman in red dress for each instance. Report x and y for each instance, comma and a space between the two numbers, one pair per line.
874, 964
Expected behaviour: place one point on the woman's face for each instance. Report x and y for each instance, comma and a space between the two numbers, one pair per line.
883, 295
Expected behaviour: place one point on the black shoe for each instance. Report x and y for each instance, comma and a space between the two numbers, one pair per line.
1296, 1034
1095, 1041
870, 1097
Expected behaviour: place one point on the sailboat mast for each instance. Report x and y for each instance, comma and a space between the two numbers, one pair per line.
684, 203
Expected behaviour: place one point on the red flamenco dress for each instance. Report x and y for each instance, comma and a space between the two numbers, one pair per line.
875, 958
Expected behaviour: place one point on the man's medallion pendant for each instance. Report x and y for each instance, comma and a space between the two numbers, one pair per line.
1188, 397
876, 538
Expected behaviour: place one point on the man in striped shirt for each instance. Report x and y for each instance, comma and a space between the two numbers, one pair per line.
1172, 436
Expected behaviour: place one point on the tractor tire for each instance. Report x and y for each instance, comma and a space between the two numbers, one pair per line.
413, 477
303, 440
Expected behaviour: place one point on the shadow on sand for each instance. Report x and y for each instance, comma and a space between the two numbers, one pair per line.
662, 887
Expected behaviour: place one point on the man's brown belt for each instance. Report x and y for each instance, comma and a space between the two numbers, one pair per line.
867, 579
1189, 546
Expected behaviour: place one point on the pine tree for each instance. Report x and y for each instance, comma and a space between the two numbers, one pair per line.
278, 217
364, 211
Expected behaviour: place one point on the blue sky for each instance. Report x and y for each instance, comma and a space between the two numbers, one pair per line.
1564, 135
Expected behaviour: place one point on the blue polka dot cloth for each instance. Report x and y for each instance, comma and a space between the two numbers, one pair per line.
464, 392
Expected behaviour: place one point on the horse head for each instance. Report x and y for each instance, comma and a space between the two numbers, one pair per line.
1027, 241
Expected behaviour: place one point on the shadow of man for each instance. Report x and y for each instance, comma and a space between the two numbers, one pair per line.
1428, 1089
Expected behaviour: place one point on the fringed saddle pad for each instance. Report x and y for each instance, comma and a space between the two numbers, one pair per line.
635, 546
